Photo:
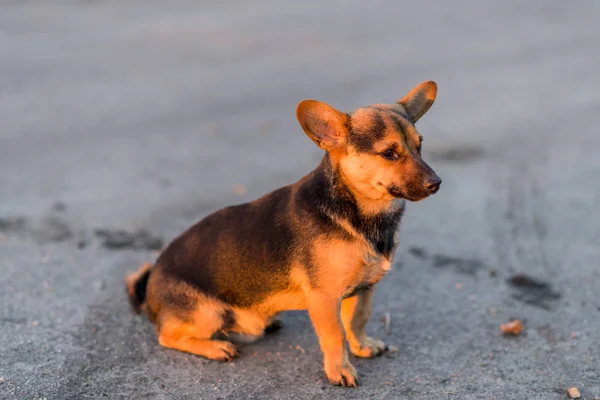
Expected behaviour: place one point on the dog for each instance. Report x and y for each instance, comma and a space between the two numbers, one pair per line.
320, 244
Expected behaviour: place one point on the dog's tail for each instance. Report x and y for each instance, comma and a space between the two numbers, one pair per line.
135, 284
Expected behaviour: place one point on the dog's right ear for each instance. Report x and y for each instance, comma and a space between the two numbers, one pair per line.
419, 100
325, 125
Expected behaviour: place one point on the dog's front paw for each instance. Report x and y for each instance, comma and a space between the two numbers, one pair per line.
369, 348
342, 375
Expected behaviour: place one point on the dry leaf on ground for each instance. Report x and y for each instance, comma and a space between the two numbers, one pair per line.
513, 327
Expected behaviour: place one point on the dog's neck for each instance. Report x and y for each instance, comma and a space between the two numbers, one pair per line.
335, 200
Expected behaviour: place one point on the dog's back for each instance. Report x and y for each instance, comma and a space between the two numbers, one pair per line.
239, 255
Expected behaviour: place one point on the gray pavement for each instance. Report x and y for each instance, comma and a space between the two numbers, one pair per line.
140, 117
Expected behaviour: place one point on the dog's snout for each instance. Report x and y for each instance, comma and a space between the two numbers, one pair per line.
433, 183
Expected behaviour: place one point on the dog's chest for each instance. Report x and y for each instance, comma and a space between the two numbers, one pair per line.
375, 267
343, 267
377, 259
371, 268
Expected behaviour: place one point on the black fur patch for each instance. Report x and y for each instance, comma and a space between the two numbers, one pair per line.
274, 326
363, 141
140, 287
228, 319
397, 120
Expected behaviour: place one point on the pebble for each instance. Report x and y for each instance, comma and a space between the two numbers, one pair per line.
573, 393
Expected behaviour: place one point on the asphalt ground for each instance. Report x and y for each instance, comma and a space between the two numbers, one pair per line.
122, 123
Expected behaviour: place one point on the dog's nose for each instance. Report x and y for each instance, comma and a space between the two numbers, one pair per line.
433, 184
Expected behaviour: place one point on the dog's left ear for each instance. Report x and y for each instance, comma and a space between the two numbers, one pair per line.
417, 101
325, 125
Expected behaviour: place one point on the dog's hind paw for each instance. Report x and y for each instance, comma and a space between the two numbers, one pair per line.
222, 351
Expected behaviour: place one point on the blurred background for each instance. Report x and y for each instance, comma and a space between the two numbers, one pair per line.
122, 123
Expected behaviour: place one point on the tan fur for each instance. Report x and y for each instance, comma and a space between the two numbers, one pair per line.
188, 337
324, 124
349, 263
324, 312
367, 181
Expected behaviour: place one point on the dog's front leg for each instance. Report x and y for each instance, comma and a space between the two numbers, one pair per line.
324, 312
355, 314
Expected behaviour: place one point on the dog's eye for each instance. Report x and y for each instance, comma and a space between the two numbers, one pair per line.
389, 154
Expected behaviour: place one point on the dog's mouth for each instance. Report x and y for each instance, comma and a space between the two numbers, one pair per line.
409, 195
395, 191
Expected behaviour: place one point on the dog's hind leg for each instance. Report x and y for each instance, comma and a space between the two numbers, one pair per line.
194, 336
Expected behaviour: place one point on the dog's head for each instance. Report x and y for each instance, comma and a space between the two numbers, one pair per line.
376, 149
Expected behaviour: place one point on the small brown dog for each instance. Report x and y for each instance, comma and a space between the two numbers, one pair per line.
320, 244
